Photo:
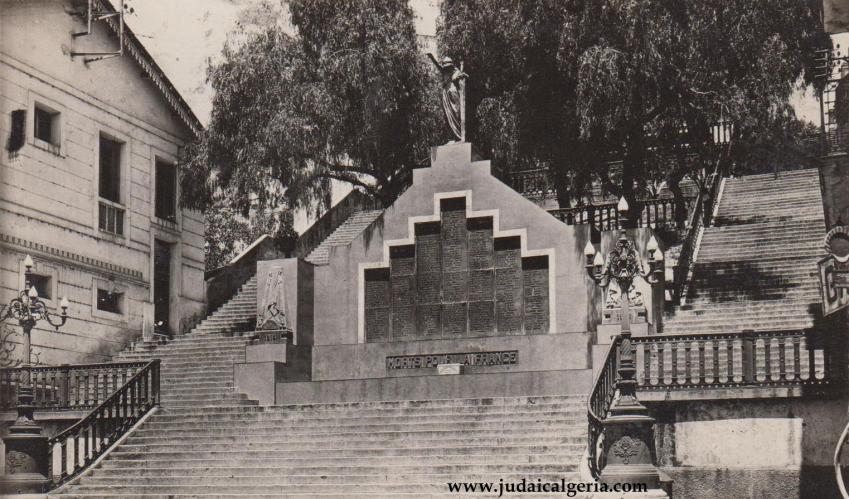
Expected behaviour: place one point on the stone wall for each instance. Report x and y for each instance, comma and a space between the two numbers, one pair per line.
771, 448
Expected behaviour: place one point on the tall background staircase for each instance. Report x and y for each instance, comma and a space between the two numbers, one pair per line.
755, 266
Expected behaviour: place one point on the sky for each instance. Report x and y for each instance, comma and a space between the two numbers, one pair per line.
182, 36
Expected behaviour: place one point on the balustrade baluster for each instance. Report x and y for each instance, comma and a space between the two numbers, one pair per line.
782, 359
133, 399
812, 361
797, 364
86, 436
730, 347
702, 377
646, 348
75, 464
661, 353
86, 392
674, 350
65, 387
688, 346
767, 359
63, 459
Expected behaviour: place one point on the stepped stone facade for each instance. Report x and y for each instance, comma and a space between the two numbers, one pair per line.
88, 184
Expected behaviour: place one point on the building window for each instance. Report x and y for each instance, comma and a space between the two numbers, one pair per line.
108, 301
110, 211
111, 218
110, 169
46, 124
42, 285
166, 191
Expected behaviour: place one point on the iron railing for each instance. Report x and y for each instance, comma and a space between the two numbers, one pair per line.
728, 360
656, 213
67, 387
700, 215
745, 359
598, 406
73, 450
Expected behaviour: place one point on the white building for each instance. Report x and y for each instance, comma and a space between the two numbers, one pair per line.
88, 184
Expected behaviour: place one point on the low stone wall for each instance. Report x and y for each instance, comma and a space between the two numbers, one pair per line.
765, 448
432, 387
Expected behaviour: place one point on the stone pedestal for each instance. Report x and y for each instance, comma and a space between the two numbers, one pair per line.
629, 448
26, 452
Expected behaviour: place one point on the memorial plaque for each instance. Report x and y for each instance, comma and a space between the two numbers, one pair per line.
403, 290
480, 243
432, 360
454, 319
481, 285
455, 244
429, 287
402, 260
377, 290
428, 320
536, 294
403, 322
482, 318
508, 300
508, 252
377, 324
455, 287
428, 247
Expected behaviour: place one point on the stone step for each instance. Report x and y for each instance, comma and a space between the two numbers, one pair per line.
247, 467
673, 328
508, 405
360, 443
422, 485
568, 426
327, 425
340, 437
233, 456
368, 477
164, 420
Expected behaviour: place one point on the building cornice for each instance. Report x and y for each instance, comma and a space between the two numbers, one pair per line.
65, 257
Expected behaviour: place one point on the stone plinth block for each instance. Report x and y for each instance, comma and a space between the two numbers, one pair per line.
267, 352
449, 369
606, 332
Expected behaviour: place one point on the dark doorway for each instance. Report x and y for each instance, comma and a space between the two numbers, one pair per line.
161, 287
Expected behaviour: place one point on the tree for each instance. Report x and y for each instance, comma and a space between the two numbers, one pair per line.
347, 97
642, 81
228, 232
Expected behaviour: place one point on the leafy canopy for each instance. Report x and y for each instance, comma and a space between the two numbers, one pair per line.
570, 85
346, 97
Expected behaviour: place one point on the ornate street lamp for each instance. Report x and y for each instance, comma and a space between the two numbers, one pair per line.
628, 430
26, 449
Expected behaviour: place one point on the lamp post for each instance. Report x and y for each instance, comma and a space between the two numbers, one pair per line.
629, 436
26, 448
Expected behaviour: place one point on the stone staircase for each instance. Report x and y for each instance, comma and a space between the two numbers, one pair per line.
343, 235
206, 440
756, 265
408, 448
238, 314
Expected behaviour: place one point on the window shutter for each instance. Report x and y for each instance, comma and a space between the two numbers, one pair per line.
19, 126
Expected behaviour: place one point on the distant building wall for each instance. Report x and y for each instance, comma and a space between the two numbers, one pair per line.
50, 202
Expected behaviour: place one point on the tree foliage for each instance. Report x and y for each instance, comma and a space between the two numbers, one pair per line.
570, 85
228, 233
347, 96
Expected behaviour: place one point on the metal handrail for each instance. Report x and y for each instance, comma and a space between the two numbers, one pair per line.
105, 424
598, 405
